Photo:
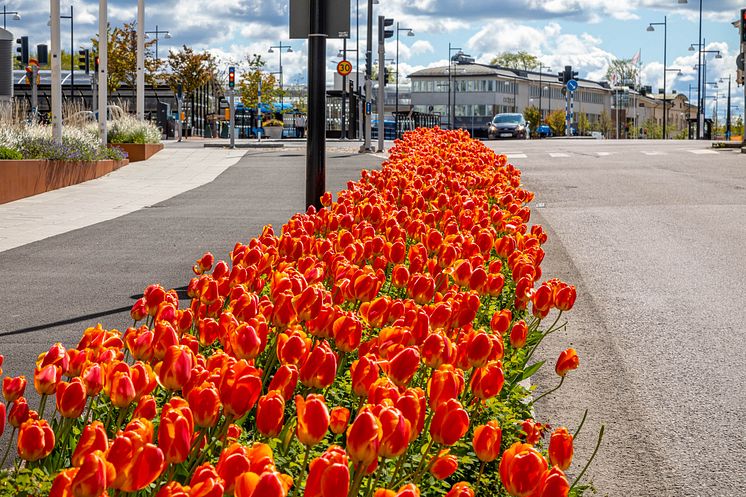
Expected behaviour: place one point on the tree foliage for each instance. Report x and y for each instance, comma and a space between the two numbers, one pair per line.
622, 72
583, 123
190, 69
533, 116
516, 60
249, 80
556, 121
122, 57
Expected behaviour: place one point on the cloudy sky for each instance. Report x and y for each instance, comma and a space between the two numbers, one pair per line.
583, 33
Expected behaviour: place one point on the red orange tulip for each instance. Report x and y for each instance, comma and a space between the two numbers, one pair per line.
487, 440
328, 474
521, 468
313, 419
270, 414
364, 438
35, 440
450, 422
561, 448
13, 388
444, 465
566, 362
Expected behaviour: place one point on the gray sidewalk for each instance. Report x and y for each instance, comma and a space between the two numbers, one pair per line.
174, 170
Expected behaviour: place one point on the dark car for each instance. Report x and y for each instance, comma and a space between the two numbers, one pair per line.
508, 126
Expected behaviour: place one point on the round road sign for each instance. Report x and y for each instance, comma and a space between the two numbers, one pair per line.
344, 68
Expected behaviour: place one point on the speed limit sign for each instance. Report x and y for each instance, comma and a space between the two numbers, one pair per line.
344, 68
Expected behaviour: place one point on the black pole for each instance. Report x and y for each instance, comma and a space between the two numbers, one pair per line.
316, 149
700, 47
665, 109
541, 92
342, 132
396, 105
450, 125
72, 58
727, 116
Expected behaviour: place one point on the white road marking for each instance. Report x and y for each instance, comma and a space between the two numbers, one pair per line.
516, 156
653, 153
603, 154
558, 154
702, 152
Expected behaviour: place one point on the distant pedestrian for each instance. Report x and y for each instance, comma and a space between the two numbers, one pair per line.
300, 123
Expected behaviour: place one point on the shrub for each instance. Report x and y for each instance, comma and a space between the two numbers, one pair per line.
128, 129
273, 122
7, 153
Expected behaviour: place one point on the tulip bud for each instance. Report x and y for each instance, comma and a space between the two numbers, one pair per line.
71, 398
320, 368
91, 440
395, 430
313, 419
13, 388
446, 382
564, 297
205, 403
521, 468
35, 440
450, 422
364, 438
364, 373
487, 439
461, 489
339, 417
176, 367
284, 381
270, 414
566, 362
46, 379
328, 474
501, 321
487, 382
553, 483
443, 465
18, 412
62, 484
146, 408
561, 448
403, 366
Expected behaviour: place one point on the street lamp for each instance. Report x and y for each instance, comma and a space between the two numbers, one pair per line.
6, 13
166, 35
281, 47
549, 110
72, 48
410, 32
450, 115
665, 41
699, 76
727, 112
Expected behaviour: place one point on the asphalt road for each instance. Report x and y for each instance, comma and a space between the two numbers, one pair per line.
651, 234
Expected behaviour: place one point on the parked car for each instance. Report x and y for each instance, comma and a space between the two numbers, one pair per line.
544, 131
508, 126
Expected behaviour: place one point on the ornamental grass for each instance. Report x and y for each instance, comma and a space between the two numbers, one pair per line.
378, 347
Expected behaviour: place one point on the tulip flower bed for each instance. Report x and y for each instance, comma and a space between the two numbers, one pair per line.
375, 348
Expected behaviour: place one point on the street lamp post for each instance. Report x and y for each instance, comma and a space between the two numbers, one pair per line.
6, 13
410, 32
166, 35
727, 111
343, 55
700, 129
450, 114
665, 40
541, 91
280, 48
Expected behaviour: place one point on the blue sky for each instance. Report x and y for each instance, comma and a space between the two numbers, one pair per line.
582, 33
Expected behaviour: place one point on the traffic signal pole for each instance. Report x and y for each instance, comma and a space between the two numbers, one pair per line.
316, 144
103, 88
381, 75
56, 72
140, 104
368, 85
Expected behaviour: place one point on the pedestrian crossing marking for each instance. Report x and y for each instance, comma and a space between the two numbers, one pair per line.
653, 153
603, 154
516, 156
555, 155
702, 152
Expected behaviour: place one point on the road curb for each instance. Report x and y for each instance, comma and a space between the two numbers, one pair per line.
244, 145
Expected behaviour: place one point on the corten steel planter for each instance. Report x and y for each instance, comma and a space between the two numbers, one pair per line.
138, 152
24, 178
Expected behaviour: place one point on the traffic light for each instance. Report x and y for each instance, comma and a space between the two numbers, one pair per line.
368, 63
95, 65
84, 60
383, 32
231, 77
22, 50
561, 77
385, 76
742, 27
42, 54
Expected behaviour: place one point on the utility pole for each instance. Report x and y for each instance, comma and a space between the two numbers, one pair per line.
368, 85
103, 88
140, 60
381, 75
56, 72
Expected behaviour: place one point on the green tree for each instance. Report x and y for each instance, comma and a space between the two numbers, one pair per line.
532, 115
190, 69
248, 83
516, 60
623, 72
604, 123
122, 57
583, 124
556, 121
653, 130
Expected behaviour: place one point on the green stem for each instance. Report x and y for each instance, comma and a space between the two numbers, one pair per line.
598, 444
582, 422
359, 473
10, 444
302, 471
479, 478
562, 380
399, 464
42, 405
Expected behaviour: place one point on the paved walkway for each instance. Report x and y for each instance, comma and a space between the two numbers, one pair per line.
174, 170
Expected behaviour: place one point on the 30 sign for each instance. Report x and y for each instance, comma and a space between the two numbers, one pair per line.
344, 68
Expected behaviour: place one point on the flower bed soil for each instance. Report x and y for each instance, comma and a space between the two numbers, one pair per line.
24, 178
137, 152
